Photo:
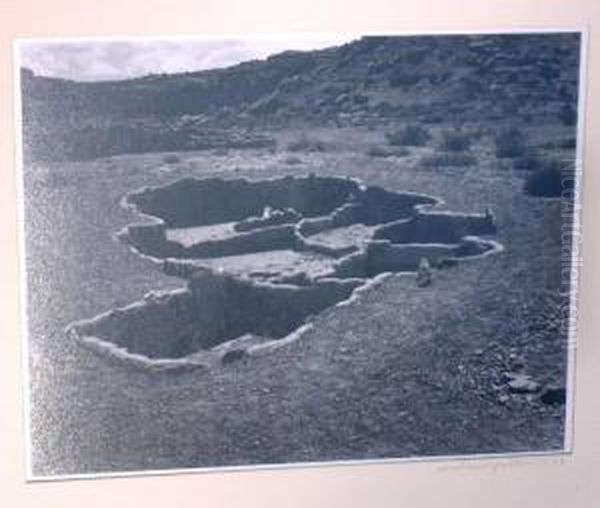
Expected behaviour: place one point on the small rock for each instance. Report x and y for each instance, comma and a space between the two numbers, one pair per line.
503, 398
554, 395
522, 383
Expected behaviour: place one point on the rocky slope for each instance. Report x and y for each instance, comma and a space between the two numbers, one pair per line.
374, 80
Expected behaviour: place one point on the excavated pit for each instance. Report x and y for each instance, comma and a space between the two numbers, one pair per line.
213, 309
214, 218
263, 258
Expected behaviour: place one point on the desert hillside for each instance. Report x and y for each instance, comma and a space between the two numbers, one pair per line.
369, 82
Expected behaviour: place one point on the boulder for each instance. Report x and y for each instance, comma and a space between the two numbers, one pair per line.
522, 383
554, 395
424, 273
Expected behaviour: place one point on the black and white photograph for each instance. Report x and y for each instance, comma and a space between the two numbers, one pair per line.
298, 249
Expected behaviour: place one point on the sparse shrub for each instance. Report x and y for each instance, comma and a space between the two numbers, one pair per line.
380, 151
432, 118
402, 78
415, 57
456, 140
549, 181
448, 159
561, 144
383, 108
171, 159
568, 115
331, 89
292, 160
306, 144
411, 135
510, 142
567, 143
529, 162
401, 152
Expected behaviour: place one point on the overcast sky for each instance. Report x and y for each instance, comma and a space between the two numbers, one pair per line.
94, 60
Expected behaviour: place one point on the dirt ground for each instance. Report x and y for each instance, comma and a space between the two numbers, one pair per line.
400, 372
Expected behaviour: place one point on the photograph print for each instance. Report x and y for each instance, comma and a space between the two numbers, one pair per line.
297, 249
